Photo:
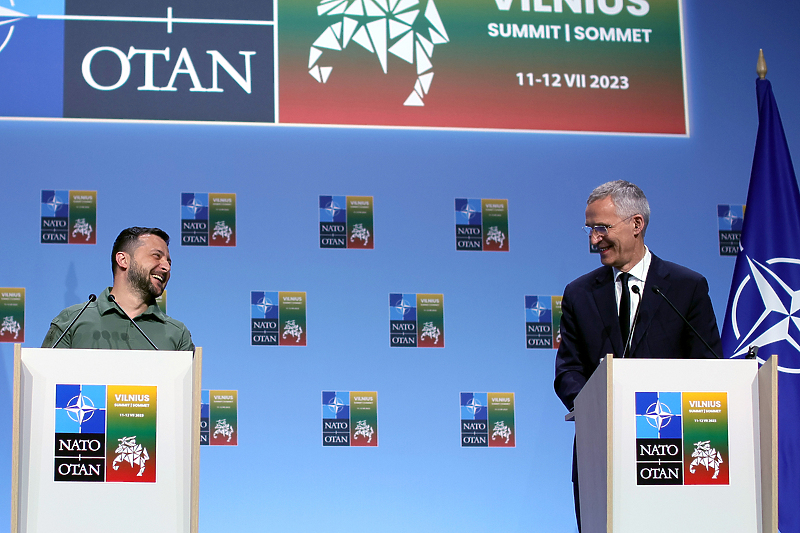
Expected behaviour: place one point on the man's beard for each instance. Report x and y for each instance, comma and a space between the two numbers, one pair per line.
139, 280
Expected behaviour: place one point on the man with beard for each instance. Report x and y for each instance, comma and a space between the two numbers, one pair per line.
141, 267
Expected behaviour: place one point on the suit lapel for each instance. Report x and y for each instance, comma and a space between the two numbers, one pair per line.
657, 275
606, 301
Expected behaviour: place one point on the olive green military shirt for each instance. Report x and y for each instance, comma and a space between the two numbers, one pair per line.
104, 326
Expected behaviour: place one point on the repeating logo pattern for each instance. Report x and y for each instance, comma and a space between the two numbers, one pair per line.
12, 314
208, 219
346, 222
277, 318
349, 418
487, 419
482, 225
105, 433
542, 321
68, 217
416, 320
731, 220
409, 37
219, 418
681, 438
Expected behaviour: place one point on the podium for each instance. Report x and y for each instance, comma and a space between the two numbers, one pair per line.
669, 445
105, 440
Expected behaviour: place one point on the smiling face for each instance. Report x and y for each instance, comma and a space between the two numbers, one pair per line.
150, 266
623, 246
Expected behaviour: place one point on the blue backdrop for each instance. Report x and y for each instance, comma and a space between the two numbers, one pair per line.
419, 479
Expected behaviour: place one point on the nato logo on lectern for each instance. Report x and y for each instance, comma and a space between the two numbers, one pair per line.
682, 438
105, 433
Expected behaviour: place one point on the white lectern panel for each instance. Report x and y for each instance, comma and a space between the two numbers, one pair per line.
670, 508
47, 505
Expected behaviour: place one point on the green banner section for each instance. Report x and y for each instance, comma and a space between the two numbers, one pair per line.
292, 316
495, 225
363, 418
501, 420
430, 320
360, 228
131, 433
705, 438
222, 219
12, 314
82, 217
223, 416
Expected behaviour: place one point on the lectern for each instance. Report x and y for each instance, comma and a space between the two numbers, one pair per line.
105, 440
669, 445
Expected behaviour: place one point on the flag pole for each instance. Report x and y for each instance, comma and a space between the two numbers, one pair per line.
761, 65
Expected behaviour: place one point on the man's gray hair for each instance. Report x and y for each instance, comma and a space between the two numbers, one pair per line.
628, 199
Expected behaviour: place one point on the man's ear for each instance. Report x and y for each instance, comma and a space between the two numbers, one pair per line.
122, 260
638, 224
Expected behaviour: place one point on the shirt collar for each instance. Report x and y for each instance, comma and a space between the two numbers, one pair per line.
105, 306
639, 270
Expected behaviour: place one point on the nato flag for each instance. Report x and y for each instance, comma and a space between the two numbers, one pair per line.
764, 302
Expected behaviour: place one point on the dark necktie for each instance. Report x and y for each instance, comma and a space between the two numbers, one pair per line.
625, 308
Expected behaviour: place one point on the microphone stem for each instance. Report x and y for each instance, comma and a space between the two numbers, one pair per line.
92, 298
111, 297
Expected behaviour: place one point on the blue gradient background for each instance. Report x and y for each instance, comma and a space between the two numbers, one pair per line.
274, 481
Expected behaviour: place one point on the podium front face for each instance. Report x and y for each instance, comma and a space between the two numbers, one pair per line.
104, 441
670, 445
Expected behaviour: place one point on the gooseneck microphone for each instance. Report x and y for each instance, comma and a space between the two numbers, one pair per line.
92, 298
111, 298
657, 290
634, 290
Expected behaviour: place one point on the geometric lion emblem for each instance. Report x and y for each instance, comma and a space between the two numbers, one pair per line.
494, 234
398, 30
429, 330
360, 232
82, 228
131, 453
10, 325
501, 430
221, 229
223, 428
291, 328
364, 430
705, 455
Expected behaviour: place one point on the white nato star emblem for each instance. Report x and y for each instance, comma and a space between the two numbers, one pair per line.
195, 206
731, 217
55, 203
469, 212
264, 305
658, 415
80, 408
336, 405
473, 405
538, 308
773, 290
403, 307
333, 209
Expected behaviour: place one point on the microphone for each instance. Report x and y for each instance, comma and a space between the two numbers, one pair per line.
111, 297
92, 298
657, 290
634, 290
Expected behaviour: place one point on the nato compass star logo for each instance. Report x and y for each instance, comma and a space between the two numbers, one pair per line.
658, 415
766, 310
80, 409
7, 19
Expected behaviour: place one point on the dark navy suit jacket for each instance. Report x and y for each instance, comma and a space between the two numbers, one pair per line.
590, 324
